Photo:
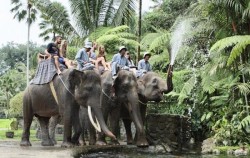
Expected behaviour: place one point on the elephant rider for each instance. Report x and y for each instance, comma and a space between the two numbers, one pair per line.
85, 58
119, 61
144, 65
53, 51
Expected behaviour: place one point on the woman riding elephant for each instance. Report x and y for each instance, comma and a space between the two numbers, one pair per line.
68, 91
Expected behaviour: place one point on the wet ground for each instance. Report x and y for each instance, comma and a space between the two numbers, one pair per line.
11, 149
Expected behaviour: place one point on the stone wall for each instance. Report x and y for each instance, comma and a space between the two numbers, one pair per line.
171, 130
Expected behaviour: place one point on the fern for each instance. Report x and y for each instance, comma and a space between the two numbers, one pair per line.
244, 123
160, 41
244, 88
239, 43
187, 88
117, 29
237, 50
148, 38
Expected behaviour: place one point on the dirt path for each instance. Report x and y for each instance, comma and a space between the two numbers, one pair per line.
11, 149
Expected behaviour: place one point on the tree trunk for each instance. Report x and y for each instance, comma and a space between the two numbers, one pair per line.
28, 42
139, 31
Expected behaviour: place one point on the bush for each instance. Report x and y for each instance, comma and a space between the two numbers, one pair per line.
16, 105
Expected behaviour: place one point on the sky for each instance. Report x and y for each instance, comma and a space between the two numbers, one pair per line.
13, 31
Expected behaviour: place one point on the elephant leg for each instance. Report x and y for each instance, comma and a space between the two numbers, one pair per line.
100, 135
143, 109
27, 118
44, 122
127, 125
114, 123
76, 126
92, 135
54, 120
67, 122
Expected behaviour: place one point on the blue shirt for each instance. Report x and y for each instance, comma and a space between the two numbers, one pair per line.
144, 65
83, 57
120, 60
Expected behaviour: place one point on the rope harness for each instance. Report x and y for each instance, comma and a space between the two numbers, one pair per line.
107, 95
52, 88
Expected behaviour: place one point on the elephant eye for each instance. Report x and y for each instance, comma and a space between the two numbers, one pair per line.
154, 81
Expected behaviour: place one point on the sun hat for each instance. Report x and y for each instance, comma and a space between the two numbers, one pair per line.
88, 45
122, 47
146, 53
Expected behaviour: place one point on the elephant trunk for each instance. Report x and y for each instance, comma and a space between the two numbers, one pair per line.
169, 79
134, 111
99, 116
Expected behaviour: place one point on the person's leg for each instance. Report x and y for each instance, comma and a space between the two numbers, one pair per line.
133, 70
57, 64
97, 63
103, 63
114, 68
108, 65
68, 63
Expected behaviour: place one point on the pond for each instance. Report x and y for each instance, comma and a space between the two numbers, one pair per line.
111, 154
133, 152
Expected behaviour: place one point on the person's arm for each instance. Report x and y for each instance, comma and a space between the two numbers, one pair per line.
150, 67
140, 65
61, 51
49, 46
114, 59
78, 57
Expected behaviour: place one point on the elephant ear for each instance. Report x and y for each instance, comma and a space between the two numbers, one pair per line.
141, 86
75, 77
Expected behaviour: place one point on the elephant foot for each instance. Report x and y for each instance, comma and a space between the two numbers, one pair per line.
92, 142
47, 143
67, 145
54, 141
25, 143
129, 142
101, 143
114, 142
142, 142
82, 142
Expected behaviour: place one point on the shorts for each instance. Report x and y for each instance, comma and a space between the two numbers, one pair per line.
61, 60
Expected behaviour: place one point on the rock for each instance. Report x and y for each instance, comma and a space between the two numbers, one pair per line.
241, 151
207, 146
160, 149
230, 152
216, 151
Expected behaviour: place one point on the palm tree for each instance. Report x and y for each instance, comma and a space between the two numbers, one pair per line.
91, 14
51, 24
25, 12
139, 30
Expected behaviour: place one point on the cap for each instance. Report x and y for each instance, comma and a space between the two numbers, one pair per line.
88, 45
122, 47
146, 53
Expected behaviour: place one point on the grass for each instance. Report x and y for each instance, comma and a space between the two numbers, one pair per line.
5, 126
17, 135
5, 123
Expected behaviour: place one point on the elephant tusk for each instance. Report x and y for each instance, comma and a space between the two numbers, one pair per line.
96, 125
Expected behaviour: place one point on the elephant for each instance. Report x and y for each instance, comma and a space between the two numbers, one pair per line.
72, 89
120, 99
151, 87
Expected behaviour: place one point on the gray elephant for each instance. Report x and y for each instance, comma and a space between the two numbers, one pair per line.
73, 89
125, 104
151, 87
